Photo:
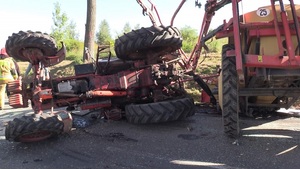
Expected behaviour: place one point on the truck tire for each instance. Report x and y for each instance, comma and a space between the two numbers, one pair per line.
31, 129
160, 111
16, 43
230, 102
135, 44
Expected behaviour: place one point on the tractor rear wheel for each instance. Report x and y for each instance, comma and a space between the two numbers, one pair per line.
137, 43
230, 98
32, 129
16, 43
160, 111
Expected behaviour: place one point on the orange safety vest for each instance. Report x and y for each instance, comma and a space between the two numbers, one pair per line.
7, 66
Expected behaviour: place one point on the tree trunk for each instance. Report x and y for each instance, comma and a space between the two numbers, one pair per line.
89, 31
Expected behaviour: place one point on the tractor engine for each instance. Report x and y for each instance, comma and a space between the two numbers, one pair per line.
73, 86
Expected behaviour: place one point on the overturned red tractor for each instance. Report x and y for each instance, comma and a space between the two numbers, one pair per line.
142, 84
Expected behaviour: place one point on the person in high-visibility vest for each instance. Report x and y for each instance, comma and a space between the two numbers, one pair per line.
8, 73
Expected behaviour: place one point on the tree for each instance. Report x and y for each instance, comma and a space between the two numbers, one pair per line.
137, 26
62, 29
103, 35
71, 32
90, 28
215, 45
189, 36
60, 20
126, 28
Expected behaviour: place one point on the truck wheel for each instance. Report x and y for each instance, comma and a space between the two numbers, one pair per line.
160, 111
31, 129
16, 43
135, 44
230, 94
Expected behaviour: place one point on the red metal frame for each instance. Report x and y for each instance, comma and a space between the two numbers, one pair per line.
115, 85
233, 29
150, 12
237, 42
126, 84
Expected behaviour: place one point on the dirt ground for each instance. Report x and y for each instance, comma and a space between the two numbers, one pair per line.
197, 142
64, 68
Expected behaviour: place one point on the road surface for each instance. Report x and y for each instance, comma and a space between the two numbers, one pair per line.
197, 142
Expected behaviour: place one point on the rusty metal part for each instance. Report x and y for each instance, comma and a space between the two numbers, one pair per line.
177, 10
37, 100
46, 94
14, 86
66, 118
54, 60
36, 136
99, 93
113, 113
16, 100
96, 104
34, 55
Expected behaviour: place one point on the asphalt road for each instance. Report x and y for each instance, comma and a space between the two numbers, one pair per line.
197, 142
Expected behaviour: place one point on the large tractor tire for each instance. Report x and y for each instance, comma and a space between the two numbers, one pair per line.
16, 43
32, 129
160, 111
135, 44
230, 98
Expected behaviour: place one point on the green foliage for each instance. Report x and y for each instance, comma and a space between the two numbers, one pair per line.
103, 36
72, 44
59, 20
74, 56
74, 51
215, 45
62, 29
189, 36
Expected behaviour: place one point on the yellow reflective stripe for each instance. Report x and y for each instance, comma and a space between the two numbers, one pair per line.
6, 78
5, 63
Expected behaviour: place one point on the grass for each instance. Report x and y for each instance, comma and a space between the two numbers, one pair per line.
207, 66
209, 63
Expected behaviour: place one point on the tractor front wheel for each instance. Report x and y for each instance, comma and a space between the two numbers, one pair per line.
32, 129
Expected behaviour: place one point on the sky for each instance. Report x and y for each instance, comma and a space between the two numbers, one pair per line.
36, 15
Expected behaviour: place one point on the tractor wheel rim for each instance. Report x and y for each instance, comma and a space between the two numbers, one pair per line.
35, 136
